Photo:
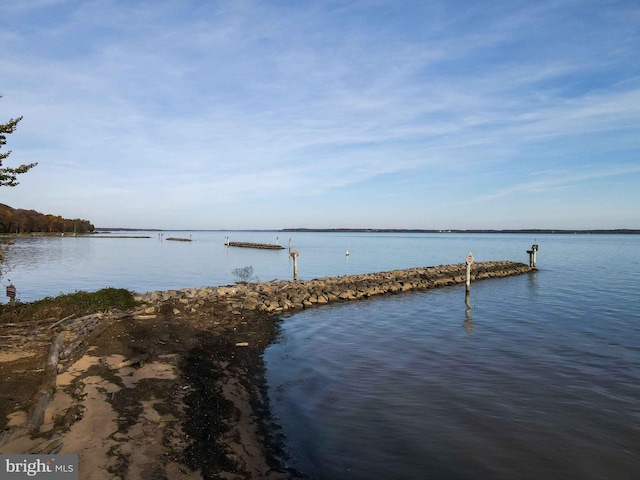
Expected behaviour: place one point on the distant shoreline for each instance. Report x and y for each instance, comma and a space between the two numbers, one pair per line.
616, 231
402, 230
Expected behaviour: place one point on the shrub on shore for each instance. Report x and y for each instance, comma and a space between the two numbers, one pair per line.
244, 274
78, 303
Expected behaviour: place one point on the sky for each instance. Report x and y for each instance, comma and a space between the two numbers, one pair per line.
249, 114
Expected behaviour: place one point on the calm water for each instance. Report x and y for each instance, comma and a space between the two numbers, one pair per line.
52, 265
539, 379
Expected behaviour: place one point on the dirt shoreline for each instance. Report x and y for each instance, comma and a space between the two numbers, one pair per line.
192, 405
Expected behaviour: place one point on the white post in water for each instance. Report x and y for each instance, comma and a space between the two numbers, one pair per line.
532, 255
289, 244
294, 254
468, 280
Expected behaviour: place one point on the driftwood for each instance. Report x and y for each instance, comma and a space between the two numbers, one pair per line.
35, 416
54, 352
126, 363
27, 323
72, 357
78, 327
83, 325
61, 322
11, 337
50, 446
86, 320
144, 317
66, 353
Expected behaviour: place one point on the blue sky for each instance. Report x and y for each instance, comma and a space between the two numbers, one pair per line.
183, 114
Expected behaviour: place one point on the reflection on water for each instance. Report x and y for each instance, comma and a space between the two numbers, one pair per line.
51, 265
535, 385
468, 321
541, 381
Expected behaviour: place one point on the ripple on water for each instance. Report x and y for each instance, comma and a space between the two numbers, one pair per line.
540, 386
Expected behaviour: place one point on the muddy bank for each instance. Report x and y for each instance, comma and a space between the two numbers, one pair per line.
174, 388
145, 395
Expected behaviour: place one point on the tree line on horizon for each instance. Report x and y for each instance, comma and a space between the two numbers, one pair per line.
18, 220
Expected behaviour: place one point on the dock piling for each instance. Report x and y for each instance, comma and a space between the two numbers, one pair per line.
532, 255
294, 254
468, 278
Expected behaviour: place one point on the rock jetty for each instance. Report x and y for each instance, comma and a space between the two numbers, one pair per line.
263, 246
279, 296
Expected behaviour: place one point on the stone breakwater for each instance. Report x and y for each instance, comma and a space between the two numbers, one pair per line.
263, 246
279, 296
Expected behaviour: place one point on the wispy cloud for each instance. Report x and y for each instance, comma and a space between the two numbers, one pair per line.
557, 180
248, 99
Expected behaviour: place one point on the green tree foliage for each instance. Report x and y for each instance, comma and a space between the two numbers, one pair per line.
9, 175
16, 220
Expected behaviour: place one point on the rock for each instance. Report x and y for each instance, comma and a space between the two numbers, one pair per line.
275, 297
347, 295
250, 304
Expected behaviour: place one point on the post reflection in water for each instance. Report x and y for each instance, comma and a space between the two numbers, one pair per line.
468, 322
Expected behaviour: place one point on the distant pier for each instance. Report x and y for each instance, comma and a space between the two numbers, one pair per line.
264, 246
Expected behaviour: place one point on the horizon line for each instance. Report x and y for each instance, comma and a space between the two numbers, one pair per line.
388, 230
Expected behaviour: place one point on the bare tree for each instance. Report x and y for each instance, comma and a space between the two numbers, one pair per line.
244, 274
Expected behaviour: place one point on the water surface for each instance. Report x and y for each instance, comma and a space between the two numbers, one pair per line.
41, 266
539, 379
